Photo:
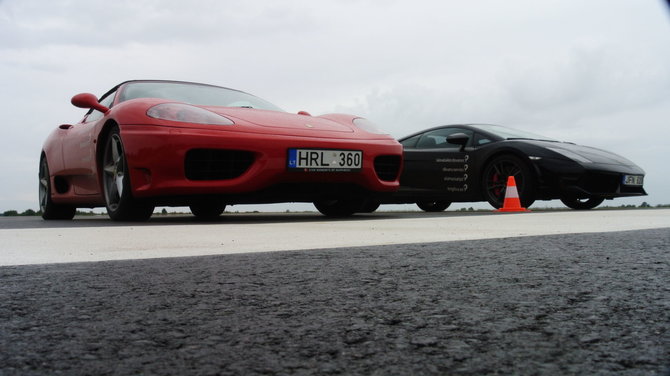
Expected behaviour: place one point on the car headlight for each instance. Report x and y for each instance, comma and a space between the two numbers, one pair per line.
572, 155
187, 114
368, 126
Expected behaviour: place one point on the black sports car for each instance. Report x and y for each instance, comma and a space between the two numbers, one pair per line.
471, 162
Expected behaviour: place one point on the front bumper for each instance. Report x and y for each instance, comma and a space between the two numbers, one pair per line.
157, 162
600, 184
561, 178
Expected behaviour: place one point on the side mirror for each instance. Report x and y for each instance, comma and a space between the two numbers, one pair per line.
458, 139
86, 100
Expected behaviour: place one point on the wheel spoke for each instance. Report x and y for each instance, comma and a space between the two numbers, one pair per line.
119, 184
43, 199
113, 172
498, 170
44, 184
112, 192
496, 181
109, 169
115, 151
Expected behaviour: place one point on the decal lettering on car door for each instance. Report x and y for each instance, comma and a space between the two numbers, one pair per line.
455, 173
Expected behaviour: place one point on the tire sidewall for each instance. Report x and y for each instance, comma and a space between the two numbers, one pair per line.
576, 204
339, 208
433, 206
50, 210
128, 208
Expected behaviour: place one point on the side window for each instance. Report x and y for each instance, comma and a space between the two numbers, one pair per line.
410, 142
437, 139
480, 139
94, 115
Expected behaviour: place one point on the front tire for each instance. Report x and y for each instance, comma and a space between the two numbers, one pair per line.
47, 207
369, 207
339, 208
207, 210
495, 180
433, 206
582, 203
121, 206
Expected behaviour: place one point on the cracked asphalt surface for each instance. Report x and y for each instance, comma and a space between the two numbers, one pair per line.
587, 304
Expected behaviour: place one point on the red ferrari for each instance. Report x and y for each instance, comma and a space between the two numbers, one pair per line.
167, 143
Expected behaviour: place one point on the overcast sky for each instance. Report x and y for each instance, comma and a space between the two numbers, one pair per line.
594, 72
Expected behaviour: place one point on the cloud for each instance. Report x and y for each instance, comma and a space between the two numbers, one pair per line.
595, 72
586, 82
99, 23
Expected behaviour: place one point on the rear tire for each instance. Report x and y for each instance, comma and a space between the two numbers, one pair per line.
121, 206
582, 203
339, 208
47, 207
433, 206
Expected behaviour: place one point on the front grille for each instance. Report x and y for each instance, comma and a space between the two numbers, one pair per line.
216, 164
387, 167
597, 182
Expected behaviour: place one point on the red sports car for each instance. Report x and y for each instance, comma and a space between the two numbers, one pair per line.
167, 143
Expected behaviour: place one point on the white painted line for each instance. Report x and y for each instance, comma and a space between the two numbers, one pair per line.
75, 244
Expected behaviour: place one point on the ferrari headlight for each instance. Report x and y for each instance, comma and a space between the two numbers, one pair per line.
572, 155
187, 114
368, 126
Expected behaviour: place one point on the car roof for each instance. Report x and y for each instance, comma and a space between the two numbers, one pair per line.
470, 126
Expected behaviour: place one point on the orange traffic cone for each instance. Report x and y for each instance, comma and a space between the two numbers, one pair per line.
512, 202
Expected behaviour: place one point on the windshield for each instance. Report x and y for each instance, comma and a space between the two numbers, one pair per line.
511, 134
203, 95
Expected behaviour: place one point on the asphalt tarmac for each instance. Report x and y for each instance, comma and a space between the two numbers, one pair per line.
569, 304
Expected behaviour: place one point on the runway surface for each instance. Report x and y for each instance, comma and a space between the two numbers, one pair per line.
34, 241
591, 298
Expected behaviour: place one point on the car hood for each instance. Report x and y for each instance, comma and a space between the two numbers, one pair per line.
594, 155
274, 119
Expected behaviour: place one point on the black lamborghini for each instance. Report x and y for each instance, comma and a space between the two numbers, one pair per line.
471, 162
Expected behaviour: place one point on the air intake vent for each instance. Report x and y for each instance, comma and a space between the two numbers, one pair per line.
599, 182
216, 164
387, 167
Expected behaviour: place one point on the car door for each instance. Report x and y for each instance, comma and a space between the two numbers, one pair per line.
79, 146
436, 165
